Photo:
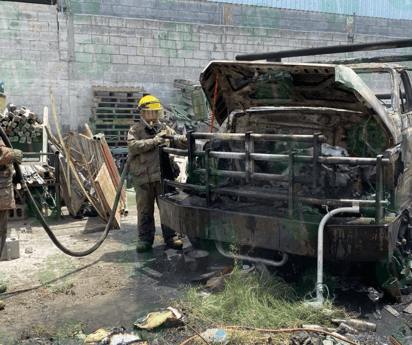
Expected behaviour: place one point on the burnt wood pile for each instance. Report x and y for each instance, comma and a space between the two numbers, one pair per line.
21, 125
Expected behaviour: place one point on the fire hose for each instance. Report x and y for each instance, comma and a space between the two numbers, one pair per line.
41, 219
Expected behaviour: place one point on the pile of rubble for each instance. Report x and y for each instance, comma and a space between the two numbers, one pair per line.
22, 126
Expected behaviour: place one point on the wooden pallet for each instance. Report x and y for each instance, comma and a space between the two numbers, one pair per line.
115, 111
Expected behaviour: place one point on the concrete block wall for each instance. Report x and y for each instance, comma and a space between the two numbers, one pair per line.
218, 13
45, 49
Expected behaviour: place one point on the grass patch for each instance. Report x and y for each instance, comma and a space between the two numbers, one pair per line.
258, 300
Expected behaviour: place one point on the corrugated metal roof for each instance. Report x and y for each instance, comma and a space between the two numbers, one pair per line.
392, 9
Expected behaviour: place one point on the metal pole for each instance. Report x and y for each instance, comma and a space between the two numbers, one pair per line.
394, 44
162, 179
248, 162
315, 159
379, 189
207, 182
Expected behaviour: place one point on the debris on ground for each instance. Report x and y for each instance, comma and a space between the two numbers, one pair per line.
359, 325
169, 317
217, 283
113, 337
215, 336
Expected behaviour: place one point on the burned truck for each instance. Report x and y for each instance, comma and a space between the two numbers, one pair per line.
300, 141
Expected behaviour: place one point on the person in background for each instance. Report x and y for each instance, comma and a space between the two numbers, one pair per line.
8, 156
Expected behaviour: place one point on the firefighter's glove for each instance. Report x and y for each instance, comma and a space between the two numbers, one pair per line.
18, 156
182, 139
159, 139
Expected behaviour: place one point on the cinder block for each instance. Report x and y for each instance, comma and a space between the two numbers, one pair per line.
152, 60
52, 55
52, 27
135, 60
135, 42
199, 54
176, 62
193, 62
38, 45
119, 59
79, 38
212, 38
134, 23
128, 50
46, 17
32, 35
151, 24
108, 31
121, 41
127, 32
117, 22
11, 250
100, 20
17, 213
30, 16
84, 57
92, 29
48, 36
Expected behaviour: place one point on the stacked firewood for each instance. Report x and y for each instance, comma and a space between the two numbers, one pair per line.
21, 126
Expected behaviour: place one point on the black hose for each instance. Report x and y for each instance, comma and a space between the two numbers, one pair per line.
40, 217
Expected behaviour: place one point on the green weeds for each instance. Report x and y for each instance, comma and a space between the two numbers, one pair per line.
258, 300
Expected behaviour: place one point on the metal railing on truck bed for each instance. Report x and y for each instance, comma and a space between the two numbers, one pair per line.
249, 157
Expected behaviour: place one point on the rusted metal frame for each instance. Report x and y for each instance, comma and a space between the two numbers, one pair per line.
274, 197
191, 150
291, 185
162, 178
254, 176
316, 149
379, 189
178, 152
260, 137
298, 158
285, 197
207, 181
249, 163
188, 186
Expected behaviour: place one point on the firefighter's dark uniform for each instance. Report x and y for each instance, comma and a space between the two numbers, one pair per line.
145, 168
7, 158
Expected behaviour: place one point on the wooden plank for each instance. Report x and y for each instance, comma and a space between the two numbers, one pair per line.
108, 193
126, 89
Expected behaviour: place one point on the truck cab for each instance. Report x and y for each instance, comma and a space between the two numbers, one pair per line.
299, 140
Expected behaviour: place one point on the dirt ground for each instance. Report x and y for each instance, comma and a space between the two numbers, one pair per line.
109, 288
114, 286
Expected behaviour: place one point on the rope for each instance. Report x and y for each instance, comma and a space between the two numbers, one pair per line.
214, 105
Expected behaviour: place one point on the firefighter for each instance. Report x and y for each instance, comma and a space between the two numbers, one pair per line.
7, 158
143, 141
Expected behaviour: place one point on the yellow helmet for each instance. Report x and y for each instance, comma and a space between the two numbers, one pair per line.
150, 108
